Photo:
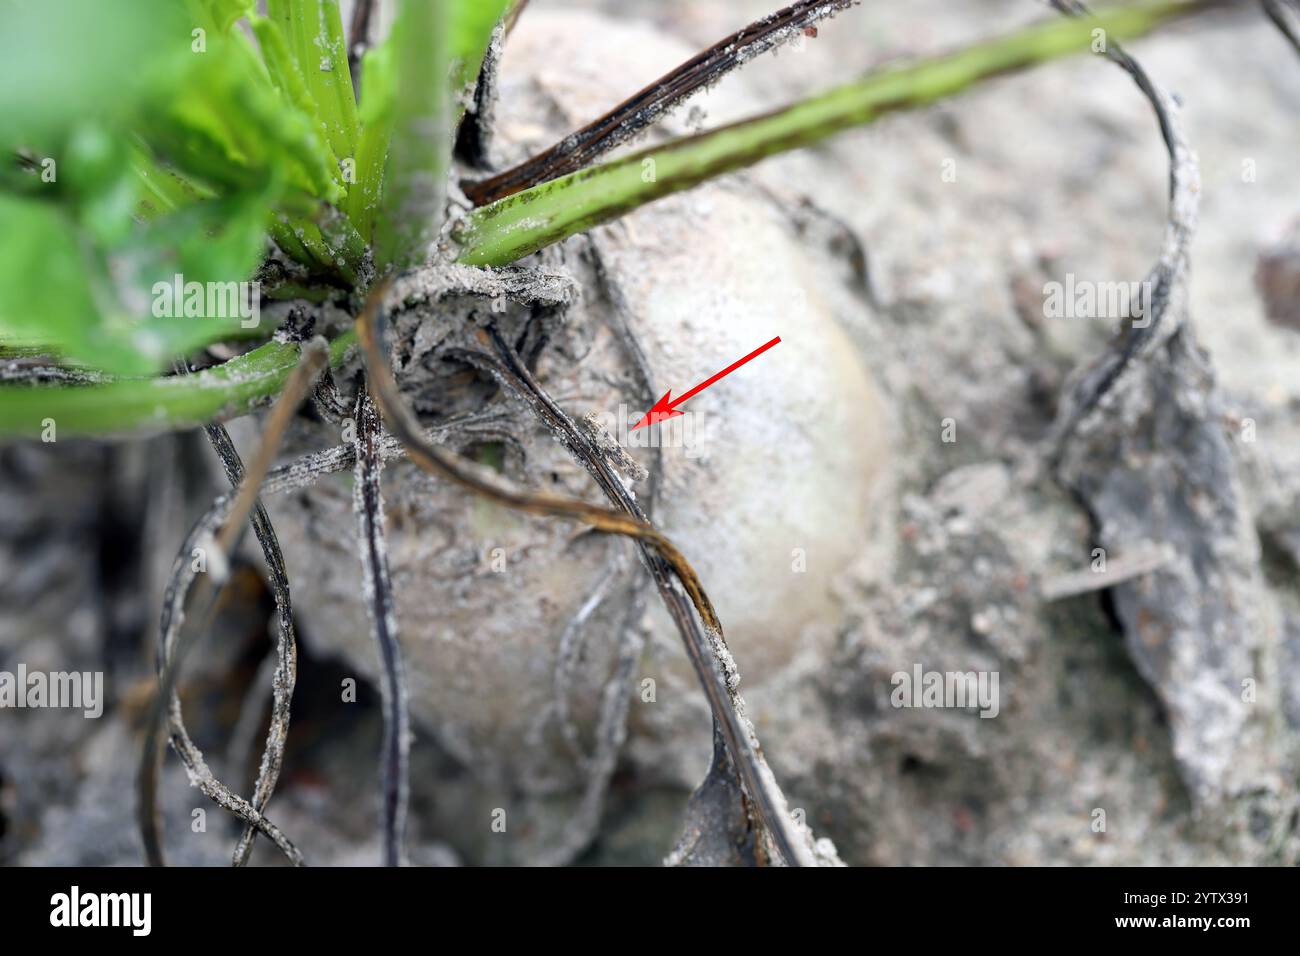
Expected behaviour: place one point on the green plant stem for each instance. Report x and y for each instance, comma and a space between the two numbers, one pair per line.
376, 111
507, 230
313, 31
144, 406
414, 194
470, 27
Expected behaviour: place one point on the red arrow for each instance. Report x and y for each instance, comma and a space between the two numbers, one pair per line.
666, 407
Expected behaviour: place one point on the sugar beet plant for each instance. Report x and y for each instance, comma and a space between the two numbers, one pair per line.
171, 166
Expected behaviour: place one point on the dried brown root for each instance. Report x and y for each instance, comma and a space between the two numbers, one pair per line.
170, 641
359, 38
1285, 15
286, 648
368, 503
218, 542
1166, 277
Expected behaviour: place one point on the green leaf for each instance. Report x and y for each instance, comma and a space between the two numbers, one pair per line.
47, 284
142, 406
216, 244
378, 96
472, 22
283, 67
172, 149
430, 40
313, 31
420, 150
221, 122
162, 189
102, 306
63, 62
222, 14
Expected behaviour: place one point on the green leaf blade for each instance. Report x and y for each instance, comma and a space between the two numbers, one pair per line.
420, 151
148, 406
